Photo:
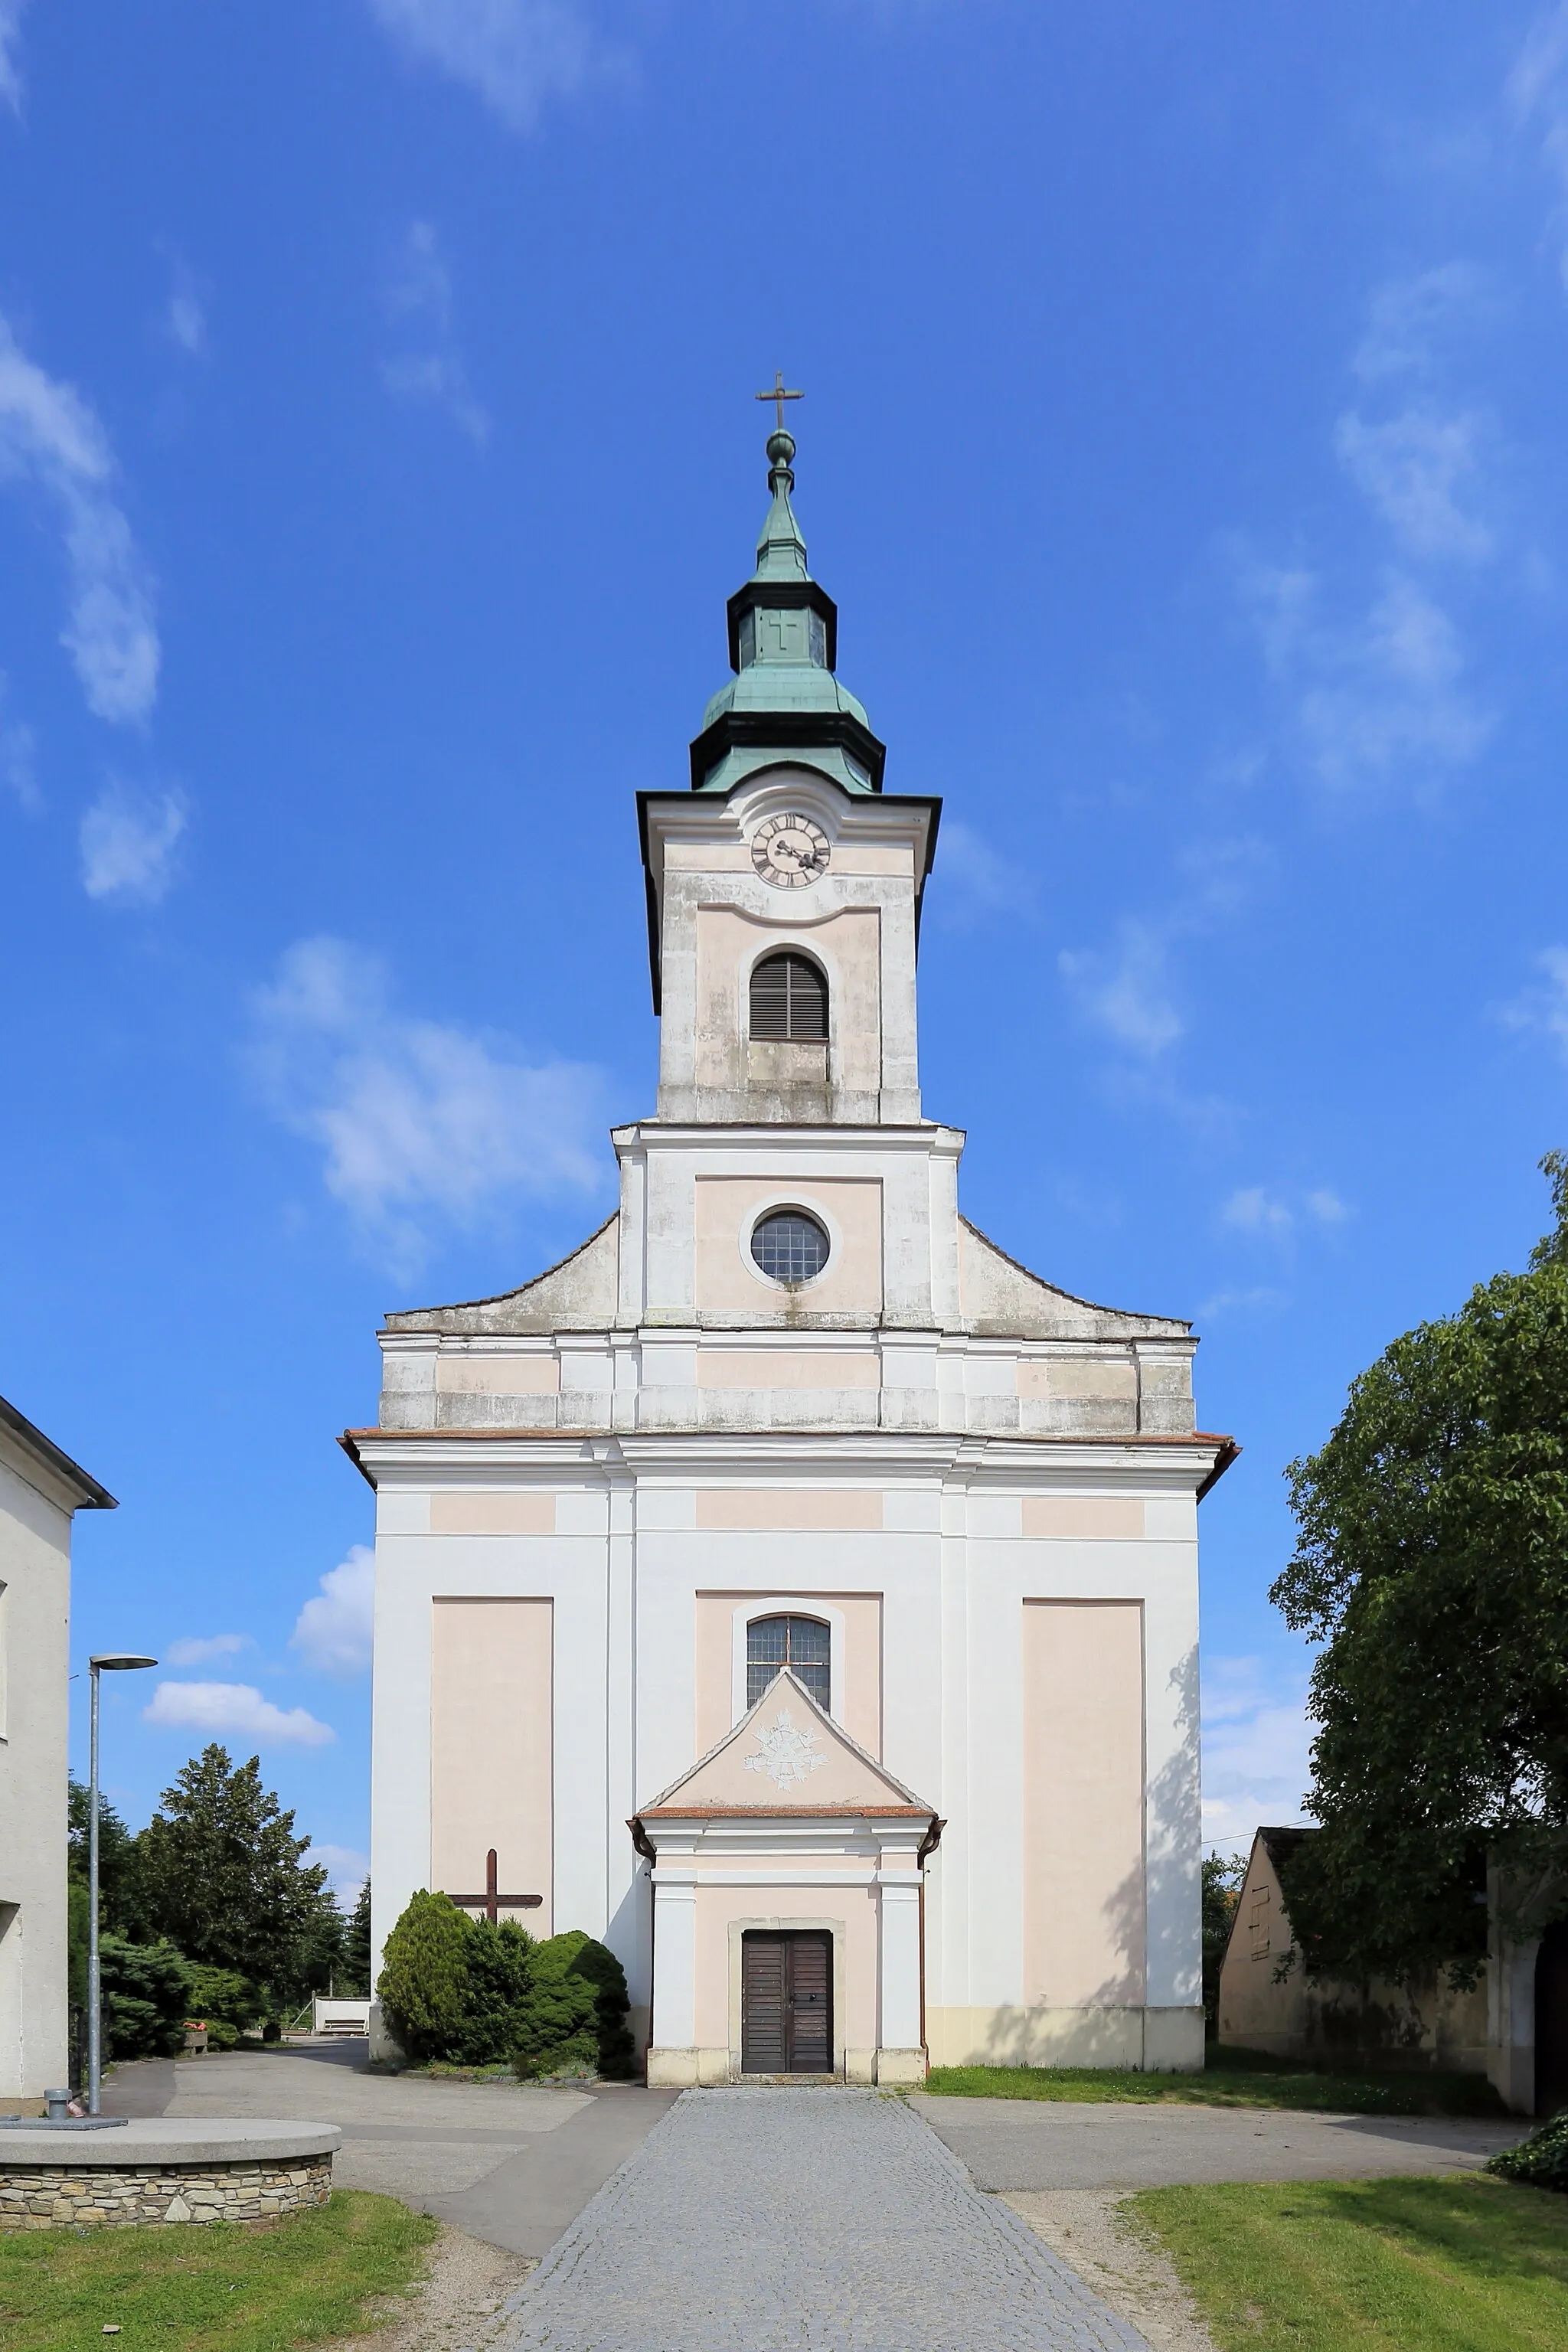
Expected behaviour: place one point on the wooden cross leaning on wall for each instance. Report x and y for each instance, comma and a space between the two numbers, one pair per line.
489, 1902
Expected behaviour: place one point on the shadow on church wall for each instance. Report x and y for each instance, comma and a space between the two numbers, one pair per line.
1151, 1919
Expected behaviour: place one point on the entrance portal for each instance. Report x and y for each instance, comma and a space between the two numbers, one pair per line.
786, 2001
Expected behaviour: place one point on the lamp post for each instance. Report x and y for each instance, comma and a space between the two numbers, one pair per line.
96, 1666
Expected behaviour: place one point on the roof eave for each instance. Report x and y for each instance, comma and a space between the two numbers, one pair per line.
89, 1495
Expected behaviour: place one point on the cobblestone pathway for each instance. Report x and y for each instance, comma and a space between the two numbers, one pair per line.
802, 2221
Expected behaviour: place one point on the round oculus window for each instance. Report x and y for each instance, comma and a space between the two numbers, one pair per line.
789, 1246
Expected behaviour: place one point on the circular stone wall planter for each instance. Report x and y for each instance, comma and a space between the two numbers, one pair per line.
162, 2171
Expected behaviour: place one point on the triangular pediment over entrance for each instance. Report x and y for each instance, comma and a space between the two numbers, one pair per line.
787, 1756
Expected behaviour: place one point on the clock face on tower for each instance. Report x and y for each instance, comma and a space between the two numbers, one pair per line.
790, 851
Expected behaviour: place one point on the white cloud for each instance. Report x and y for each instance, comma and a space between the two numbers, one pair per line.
1245, 1302
16, 757
975, 879
1254, 1210
49, 437
420, 296
1413, 469
420, 1122
10, 34
128, 843
1383, 703
185, 313
237, 1707
204, 1651
332, 1631
1543, 1008
1127, 992
1398, 703
347, 1869
439, 379
1538, 93
1381, 699
1409, 318
1256, 1737
515, 54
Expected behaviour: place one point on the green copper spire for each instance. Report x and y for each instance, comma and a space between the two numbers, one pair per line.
784, 705
781, 550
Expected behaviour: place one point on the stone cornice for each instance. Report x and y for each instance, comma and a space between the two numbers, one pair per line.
1179, 1464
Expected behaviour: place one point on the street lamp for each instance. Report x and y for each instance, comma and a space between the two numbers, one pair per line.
96, 1666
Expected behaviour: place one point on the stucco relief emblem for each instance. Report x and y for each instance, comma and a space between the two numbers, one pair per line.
786, 1755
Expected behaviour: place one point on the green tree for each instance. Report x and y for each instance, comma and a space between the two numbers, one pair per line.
146, 1993
572, 2019
1223, 1876
222, 1876
1432, 1564
120, 1908
356, 1946
423, 1987
226, 2002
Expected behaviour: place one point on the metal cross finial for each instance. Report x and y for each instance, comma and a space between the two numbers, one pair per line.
779, 395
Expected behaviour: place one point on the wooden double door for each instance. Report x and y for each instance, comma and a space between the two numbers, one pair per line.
786, 2001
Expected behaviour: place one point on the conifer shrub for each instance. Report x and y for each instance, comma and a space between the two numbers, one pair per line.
146, 1994
499, 1964
423, 1987
460, 1991
1541, 2161
573, 2018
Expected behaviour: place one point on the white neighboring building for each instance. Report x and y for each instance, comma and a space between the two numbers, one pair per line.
787, 1407
40, 1489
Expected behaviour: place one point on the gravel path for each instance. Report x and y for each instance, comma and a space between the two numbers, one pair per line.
803, 2221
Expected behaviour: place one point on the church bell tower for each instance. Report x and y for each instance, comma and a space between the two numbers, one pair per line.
784, 889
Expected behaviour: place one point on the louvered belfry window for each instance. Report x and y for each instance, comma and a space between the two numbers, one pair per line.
789, 999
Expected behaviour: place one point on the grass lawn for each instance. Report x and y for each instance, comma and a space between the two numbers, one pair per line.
245, 2288
1231, 2078
1460, 2265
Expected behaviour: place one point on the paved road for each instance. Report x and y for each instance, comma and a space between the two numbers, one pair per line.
509, 2164
803, 2221
1015, 2144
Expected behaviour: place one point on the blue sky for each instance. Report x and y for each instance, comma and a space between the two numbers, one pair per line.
1185, 447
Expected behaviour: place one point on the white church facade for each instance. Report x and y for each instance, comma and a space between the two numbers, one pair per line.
788, 1588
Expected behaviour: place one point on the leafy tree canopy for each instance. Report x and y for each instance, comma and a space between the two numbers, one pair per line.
119, 1904
221, 1874
1223, 1877
1432, 1564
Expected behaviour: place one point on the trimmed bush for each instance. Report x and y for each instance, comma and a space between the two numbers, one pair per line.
457, 1990
424, 1981
573, 2018
450, 1985
1541, 2161
499, 1965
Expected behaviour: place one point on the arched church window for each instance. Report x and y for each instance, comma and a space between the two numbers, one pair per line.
789, 1246
802, 1644
789, 998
